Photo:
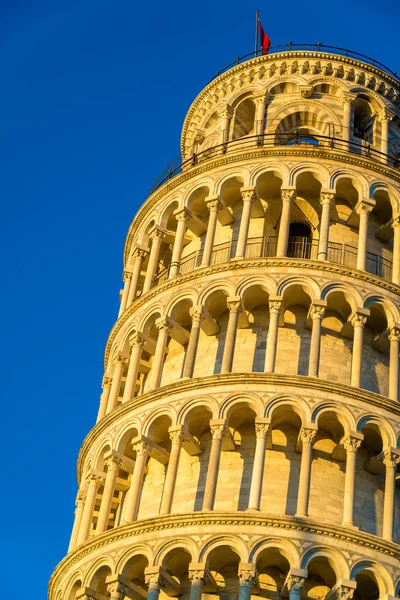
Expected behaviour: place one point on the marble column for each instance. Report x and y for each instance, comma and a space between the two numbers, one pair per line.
127, 278
80, 505
248, 196
396, 251
307, 436
131, 507
234, 306
176, 436
275, 305
326, 200
113, 463
363, 210
199, 577
182, 217
213, 205
260, 114
106, 385
247, 579
288, 195
348, 102
384, 118
197, 316
156, 583
119, 364
136, 343
163, 325
351, 445
390, 460
394, 338
358, 322
218, 431
138, 256
226, 115
316, 313
257, 477
156, 236
93, 482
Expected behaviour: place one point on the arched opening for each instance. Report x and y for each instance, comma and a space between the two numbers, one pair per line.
367, 586
134, 570
74, 590
364, 119
272, 569
321, 577
293, 348
223, 563
299, 244
244, 119
98, 581
255, 301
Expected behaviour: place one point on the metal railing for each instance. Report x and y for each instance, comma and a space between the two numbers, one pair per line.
298, 247
268, 140
320, 48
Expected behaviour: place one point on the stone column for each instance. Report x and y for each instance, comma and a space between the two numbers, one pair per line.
260, 114
351, 445
113, 463
257, 477
136, 343
234, 306
156, 236
272, 338
132, 500
218, 431
119, 363
288, 195
247, 578
326, 200
390, 461
363, 209
394, 338
248, 197
156, 583
176, 436
295, 584
317, 311
138, 256
384, 118
182, 216
199, 576
117, 590
348, 101
126, 278
396, 251
163, 326
307, 436
213, 205
197, 316
343, 590
358, 322
93, 482
226, 115
106, 385
80, 505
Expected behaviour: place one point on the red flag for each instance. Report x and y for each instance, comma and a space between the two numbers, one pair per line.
264, 39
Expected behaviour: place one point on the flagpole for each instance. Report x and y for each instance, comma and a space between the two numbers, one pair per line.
256, 36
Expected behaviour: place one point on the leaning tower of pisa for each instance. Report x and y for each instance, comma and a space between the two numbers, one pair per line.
247, 439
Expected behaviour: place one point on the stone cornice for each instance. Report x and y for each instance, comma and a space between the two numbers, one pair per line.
214, 519
269, 59
302, 382
253, 153
325, 266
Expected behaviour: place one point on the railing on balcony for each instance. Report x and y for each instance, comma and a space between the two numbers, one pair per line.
268, 140
298, 247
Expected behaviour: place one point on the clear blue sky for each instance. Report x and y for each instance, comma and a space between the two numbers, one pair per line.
92, 100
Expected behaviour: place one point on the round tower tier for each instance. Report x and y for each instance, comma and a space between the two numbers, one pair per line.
248, 435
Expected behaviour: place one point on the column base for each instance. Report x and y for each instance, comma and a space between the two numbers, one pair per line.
250, 509
301, 515
350, 526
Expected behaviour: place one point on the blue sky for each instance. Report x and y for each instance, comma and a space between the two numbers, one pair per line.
93, 97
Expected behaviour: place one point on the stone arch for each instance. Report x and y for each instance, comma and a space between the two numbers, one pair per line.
132, 425
167, 212
317, 79
73, 585
143, 231
257, 280
252, 400
388, 307
359, 181
321, 113
104, 561
377, 102
320, 173
224, 286
385, 429
252, 91
308, 284
185, 543
241, 174
392, 193
339, 562
343, 413
299, 406
167, 411
105, 444
381, 574
207, 401
234, 543
286, 547
121, 339
200, 184
350, 293
132, 552
281, 171
295, 79
187, 294
152, 311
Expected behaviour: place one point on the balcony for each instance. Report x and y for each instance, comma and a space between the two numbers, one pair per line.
298, 247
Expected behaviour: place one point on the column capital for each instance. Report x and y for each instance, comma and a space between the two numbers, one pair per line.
81, 497
308, 434
226, 112
262, 427
136, 340
139, 252
275, 304
142, 447
247, 574
365, 206
126, 275
119, 360
197, 313
183, 214
385, 115
113, 462
176, 435
117, 590
199, 573
295, 582
156, 581
234, 304
327, 196
218, 428
106, 381
394, 333
213, 203
157, 232
359, 319
163, 323
249, 193
391, 457
353, 442
317, 309
288, 194
396, 222
348, 98
93, 479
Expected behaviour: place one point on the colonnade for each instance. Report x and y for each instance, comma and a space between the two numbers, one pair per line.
201, 318
221, 439
215, 205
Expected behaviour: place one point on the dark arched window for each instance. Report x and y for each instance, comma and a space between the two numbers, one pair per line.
299, 245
